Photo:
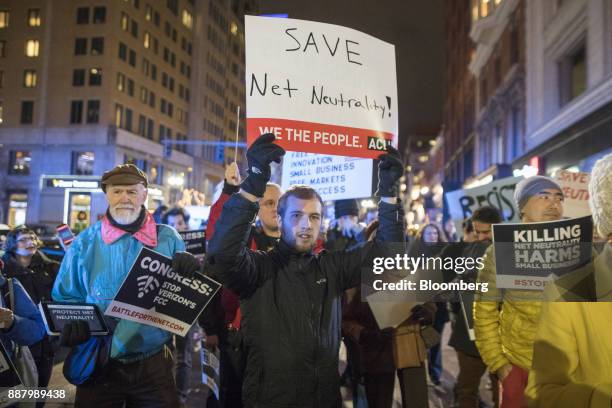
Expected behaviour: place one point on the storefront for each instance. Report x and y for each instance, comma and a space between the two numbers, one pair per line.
576, 148
17, 208
74, 200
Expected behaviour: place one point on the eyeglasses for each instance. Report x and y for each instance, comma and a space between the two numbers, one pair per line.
26, 239
557, 197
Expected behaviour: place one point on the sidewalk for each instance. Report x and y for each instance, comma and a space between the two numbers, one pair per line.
199, 392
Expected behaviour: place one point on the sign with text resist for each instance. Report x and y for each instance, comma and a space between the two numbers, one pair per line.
320, 88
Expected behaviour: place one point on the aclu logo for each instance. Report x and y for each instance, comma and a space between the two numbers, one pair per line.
146, 283
378, 143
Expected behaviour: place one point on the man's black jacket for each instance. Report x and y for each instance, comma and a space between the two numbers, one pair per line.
291, 306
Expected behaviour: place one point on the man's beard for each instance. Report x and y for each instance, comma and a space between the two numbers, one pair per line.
124, 218
303, 247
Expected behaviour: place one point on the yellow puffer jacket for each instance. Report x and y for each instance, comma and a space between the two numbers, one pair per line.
507, 335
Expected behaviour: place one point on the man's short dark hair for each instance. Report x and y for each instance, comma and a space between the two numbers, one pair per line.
299, 191
487, 214
173, 212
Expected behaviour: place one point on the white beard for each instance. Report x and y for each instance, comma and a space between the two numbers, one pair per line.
124, 219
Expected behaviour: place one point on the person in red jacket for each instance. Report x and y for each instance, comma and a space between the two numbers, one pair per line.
222, 322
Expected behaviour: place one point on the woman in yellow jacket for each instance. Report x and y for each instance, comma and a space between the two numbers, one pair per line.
572, 360
505, 321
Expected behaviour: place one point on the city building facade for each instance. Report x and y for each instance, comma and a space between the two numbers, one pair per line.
87, 85
498, 66
568, 85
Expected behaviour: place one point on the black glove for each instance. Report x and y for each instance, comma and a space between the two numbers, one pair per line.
74, 333
186, 264
422, 315
390, 170
229, 189
375, 338
259, 156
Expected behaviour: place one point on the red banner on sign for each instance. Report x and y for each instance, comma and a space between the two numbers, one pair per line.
310, 137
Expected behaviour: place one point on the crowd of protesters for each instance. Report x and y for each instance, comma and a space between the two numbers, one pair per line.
291, 296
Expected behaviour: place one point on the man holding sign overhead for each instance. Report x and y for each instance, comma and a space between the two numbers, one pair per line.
93, 270
290, 298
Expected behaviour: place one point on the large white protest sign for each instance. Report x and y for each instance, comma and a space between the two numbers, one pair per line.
155, 295
334, 177
498, 194
320, 88
575, 188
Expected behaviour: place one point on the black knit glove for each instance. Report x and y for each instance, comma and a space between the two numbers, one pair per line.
229, 189
390, 170
185, 264
259, 156
74, 333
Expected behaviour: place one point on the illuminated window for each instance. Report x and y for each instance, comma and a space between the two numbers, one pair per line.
82, 163
120, 82
118, 115
147, 39
484, 8
187, 19
148, 12
20, 162
234, 28
4, 19
1, 112
32, 48
29, 78
125, 20
34, 17
95, 77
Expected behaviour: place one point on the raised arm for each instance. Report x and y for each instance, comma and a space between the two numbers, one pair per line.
390, 230
228, 251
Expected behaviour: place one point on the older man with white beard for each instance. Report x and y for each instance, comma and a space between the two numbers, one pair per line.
139, 372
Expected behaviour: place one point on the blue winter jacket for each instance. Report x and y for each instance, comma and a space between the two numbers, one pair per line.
28, 326
92, 271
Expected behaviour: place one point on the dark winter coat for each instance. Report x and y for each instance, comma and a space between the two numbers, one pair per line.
291, 307
37, 279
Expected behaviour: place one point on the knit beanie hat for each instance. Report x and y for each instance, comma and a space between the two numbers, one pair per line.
346, 207
531, 186
600, 195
